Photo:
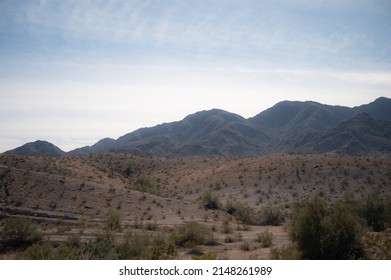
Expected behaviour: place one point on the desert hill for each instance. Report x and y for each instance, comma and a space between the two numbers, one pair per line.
70, 196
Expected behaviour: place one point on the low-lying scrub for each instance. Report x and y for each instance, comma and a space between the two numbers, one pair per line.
18, 233
192, 234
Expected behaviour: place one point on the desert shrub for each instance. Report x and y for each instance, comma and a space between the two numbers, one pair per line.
245, 246
248, 216
326, 233
241, 212
152, 226
129, 170
143, 184
230, 207
229, 239
226, 228
307, 227
343, 233
46, 251
164, 251
285, 253
192, 233
244, 213
113, 220
265, 238
135, 246
66, 252
101, 248
374, 211
18, 232
74, 241
271, 216
210, 201
206, 256
38, 252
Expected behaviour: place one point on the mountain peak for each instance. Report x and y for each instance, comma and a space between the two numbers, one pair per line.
38, 148
201, 117
378, 109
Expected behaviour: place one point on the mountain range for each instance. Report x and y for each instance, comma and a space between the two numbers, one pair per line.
288, 126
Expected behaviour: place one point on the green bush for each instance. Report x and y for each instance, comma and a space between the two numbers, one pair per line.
206, 256
164, 251
143, 184
285, 253
191, 234
323, 232
210, 201
271, 216
265, 238
374, 211
241, 212
101, 248
39, 252
18, 232
46, 251
135, 247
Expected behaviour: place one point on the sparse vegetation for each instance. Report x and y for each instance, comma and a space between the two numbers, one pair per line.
99, 210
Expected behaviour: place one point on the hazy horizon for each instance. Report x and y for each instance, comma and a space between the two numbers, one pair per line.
74, 72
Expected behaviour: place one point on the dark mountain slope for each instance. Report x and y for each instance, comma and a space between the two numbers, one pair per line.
293, 123
379, 109
38, 148
291, 114
213, 132
103, 145
358, 135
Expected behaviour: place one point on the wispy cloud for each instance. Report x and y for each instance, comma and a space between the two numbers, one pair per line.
295, 32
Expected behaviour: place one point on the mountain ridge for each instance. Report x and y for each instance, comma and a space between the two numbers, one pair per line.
288, 126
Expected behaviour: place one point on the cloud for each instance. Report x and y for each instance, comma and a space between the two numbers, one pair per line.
262, 32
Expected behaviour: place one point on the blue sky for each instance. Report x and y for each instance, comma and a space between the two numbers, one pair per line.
73, 72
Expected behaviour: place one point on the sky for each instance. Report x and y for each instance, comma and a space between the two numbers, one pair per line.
74, 72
